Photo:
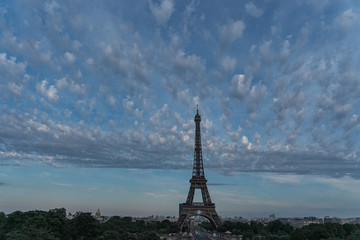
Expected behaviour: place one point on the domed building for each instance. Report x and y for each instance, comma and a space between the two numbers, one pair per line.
98, 214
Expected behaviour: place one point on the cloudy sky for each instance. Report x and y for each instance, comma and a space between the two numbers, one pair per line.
97, 101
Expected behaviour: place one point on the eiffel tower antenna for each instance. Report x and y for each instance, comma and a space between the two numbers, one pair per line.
206, 208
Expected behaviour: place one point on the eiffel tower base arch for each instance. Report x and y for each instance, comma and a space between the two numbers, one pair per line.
207, 212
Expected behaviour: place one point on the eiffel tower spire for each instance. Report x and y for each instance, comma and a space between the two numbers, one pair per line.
198, 181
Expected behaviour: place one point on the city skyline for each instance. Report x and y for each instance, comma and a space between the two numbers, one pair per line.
98, 98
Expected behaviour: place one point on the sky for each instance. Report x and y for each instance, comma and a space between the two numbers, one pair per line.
98, 98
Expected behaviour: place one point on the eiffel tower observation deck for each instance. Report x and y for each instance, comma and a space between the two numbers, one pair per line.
206, 208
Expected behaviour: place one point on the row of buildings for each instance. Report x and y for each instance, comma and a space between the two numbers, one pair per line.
294, 222
297, 222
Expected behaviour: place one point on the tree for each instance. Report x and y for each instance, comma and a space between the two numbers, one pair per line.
110, 235
256, 227
277, 227
84, 226
349, 228
13, 221
297, 234
336, 229
2, 224
320, 232
56, 221
150, 236
355, 235
31, 233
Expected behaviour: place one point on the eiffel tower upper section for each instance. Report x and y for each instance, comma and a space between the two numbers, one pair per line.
198, 180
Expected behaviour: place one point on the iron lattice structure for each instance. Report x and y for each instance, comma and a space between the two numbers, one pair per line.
206, 208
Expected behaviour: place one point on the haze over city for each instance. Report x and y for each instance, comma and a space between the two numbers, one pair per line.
97, 105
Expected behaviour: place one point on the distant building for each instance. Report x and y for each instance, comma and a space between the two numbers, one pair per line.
98, 214
300, 222
99, 217
328, 219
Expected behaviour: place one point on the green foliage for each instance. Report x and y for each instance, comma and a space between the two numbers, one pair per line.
39, 225
149, 236
53, 225
355, 235
277, 230
110, 235
256, 228
84, 226
298, 234
233, 226
2, 224
32, 233
324, 231
350, 228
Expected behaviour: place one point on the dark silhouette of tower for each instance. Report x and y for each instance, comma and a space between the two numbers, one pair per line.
206, 208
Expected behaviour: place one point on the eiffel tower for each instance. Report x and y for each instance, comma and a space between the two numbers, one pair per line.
206, 208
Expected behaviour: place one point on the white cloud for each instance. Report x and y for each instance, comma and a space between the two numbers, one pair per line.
45, 57
288, 179
128, 104
11, 67
41, 127
246, 143
253, 10
231, 32
256, 94
156, 139
90, 61
285, 50
342, 110
233, 135
265, 51
15, 88
50, 7
50, 93
257, 138
345, 184
227, 64
240, 86
78, 74
62, 83
76, 45
190, 8
111, 100
69, 57
185, 69
244, 140
344, 22
183, 62
77, 88
163, 11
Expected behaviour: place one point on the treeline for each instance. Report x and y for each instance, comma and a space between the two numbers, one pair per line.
53, 225
276, 230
